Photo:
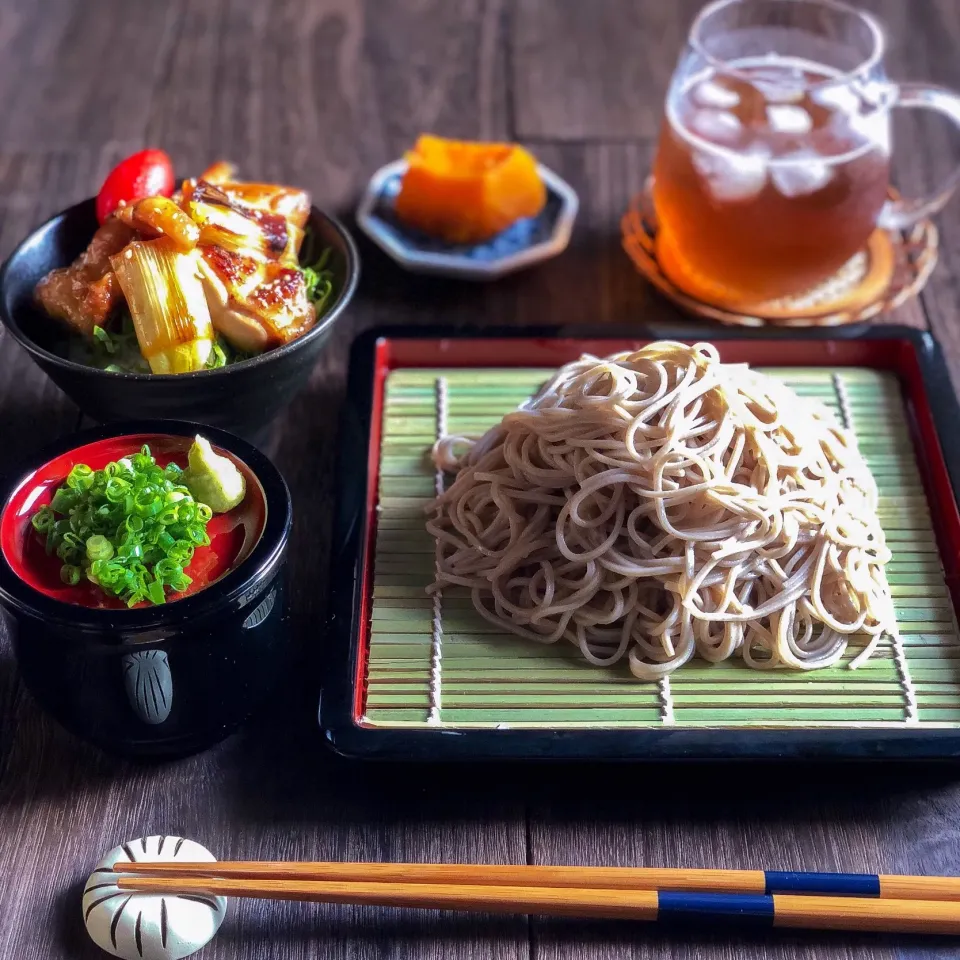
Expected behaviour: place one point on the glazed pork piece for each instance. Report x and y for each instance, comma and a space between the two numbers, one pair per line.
85, 294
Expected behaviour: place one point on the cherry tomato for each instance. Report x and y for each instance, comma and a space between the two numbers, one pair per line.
148, 173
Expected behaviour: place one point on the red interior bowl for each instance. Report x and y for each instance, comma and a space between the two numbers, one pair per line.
233, 535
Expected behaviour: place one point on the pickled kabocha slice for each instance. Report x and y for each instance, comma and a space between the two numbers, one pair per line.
468, 192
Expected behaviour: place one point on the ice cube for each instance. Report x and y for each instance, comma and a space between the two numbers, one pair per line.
709, 93
788, 119
733, 177
778, 91
779, 81
717, 126
837, 97
801, 173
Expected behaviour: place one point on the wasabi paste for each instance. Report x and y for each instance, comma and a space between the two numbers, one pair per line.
213, 479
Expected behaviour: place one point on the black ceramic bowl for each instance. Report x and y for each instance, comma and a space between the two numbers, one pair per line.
164, 680
242, 397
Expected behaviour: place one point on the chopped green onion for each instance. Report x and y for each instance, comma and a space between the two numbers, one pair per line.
186, 511
182, 554
99, 548
155, 592
130, 528
67, 552
80, 477
130, 551
63, 500
167, 570
198, 534
43, 519
168, 515
165, 541
116, 489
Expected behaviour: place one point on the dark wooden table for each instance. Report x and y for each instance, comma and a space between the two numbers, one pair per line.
320, 93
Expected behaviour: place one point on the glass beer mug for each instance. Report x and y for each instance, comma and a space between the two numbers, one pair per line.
774, 157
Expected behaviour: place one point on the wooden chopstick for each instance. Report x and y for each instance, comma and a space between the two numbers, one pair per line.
609, 878
778, 910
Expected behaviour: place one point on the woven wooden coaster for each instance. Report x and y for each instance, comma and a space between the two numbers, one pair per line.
890, 269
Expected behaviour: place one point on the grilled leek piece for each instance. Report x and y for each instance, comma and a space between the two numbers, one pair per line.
168, 305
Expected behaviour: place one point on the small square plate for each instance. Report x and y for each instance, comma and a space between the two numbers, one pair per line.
526, 242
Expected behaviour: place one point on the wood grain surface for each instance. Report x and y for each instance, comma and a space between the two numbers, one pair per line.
320, 93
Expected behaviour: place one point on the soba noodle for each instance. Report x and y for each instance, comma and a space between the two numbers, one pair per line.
661, 504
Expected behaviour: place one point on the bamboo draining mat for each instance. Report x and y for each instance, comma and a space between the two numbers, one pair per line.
436, 661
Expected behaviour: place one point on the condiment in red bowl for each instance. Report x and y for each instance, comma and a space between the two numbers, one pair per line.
232, 535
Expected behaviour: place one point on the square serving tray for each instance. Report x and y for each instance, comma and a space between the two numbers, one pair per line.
414, 677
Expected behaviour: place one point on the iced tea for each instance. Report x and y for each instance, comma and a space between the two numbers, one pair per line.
770, 175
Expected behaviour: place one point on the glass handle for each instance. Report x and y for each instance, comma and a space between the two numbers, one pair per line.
899, 214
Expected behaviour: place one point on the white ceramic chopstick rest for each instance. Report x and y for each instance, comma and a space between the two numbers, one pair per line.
149, 926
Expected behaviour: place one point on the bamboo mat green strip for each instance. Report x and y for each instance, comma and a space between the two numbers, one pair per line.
437, 662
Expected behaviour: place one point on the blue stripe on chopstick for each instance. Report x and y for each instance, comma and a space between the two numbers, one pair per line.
830, 884
748, 907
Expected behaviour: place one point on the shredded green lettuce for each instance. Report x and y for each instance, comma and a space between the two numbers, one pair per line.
315, 267
218, 356
319, 280
115, 350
